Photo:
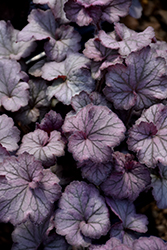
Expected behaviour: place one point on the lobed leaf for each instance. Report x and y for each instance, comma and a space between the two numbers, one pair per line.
150, 243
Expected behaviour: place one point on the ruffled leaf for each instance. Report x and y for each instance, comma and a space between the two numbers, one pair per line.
140, 83
68, 84
112, 243
149, 243
44, 147
13, 92
28, 190
148, 137
94, 130
128, 179
82, 214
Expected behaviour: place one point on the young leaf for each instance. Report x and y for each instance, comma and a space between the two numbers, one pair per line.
82, 214
159, 185
13, 92
94, 130
9, 47
140, 83
148, 137
128, 179
43, 147
27, 190
68, 83
9, 134
125, 39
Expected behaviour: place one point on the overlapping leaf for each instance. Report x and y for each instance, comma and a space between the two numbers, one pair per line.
43, 146
13, 92
112, 243
9, 134
148, 137
82, 214
140, 83
159, 185
94, 130
125, 39
149, 243
27, 190
9, 47
68, 83
128, 179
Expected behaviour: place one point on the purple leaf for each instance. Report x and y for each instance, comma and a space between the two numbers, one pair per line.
82, 99
66, 40
41, 25
94, 130
55, 242
112, 243
43, 147
9, 134
125, 210
148, 137
135, 9
9, 47
139, 84
149, 243
68, 84
13, 92
161, 49
57, 7
3, 153
51, 121
95, 172
125, 39
36, 69
128, 179
28, 190
159, 185
82, 214
102, 57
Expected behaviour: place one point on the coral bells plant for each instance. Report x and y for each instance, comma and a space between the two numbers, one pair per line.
83, 127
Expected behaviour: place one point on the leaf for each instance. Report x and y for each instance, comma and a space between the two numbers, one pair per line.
3, 153
52, 121
9, 47
66, 40
125, 39
13, 92
128, 179
135, 9
68, 83
139, 84
159, 185
9, 134
112, 243
41, 25
82, 214
149, 135
43, 147
27, 191
95, 172
150, 243
93, 131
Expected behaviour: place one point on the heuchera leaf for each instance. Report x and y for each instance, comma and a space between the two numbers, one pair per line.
125, 210
43, 146
135, 9
148, 137
128, 179
3, 153
27, 191
41, 25
51, 121
125, 39
13, 92
159, 185
57, 7
149, 243
66, 40
68, 83
82, 99
112, 243
140, 83
30, 236
9, 134
94, 130
95, 172
9, 47
82, 214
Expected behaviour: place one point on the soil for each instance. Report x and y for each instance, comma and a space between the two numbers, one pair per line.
155, 15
